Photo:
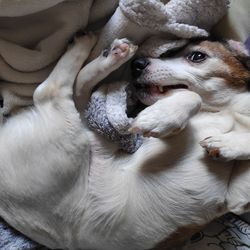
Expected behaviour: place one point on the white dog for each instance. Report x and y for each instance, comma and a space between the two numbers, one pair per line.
66, 187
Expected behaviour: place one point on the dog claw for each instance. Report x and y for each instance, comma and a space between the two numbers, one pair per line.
134, 130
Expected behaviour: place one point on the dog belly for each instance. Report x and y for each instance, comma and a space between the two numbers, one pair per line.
153, 206
138, 200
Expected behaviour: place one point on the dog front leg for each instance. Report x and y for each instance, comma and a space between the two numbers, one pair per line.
167, 116
230, 146
111, 59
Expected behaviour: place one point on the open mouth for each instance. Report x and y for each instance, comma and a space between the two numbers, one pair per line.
157, 89
148, 93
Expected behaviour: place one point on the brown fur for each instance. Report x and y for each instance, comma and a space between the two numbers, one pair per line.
237, 75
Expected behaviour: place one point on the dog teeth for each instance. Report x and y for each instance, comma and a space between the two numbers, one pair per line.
161, 89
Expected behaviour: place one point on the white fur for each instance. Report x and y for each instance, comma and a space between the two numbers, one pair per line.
66, 187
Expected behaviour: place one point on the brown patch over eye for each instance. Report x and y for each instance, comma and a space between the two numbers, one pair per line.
238, 74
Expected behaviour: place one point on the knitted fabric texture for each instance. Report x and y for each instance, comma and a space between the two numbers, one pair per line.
106, 114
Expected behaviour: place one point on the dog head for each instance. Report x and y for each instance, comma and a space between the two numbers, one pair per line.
216, 70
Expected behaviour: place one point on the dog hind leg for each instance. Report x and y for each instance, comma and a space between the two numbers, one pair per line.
230, 146
60, 81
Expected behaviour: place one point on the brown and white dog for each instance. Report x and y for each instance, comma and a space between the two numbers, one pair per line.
68, 188
218, 71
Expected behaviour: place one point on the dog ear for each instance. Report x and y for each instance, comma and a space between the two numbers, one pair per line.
238, 48
240, 51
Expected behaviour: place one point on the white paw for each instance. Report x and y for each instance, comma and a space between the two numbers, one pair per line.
168, 116
152, 122
120, 51
222, 147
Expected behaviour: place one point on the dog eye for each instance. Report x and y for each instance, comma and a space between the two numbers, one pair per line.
197, 57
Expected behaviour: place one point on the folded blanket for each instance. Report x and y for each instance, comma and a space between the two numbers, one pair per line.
14, 8
31, 44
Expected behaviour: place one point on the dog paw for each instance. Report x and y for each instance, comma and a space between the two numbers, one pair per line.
151, 123
120, 51
221, 147
168, 116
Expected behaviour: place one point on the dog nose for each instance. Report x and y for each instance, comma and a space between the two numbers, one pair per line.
138, 65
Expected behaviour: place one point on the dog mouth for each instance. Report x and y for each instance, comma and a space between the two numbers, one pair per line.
150, 93
158, 89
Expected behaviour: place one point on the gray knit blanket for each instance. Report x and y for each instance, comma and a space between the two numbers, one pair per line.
10, 239
108, 114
